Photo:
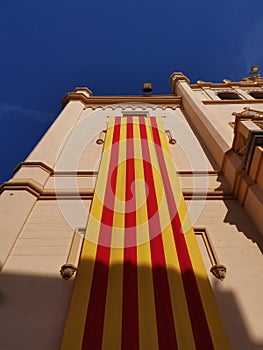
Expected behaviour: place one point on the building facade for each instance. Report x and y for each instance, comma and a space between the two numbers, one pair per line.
69, 277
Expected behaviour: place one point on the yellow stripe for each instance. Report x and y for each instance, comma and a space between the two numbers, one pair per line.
94, 222
148, 338
75, 324
113, 312
211, 310
183, 328
77, 314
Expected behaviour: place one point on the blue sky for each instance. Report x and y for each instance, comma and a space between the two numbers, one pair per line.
49, 48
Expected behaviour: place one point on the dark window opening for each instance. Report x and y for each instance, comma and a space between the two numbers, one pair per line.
257, 95
228, 96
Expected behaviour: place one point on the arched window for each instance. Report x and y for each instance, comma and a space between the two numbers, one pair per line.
228, 96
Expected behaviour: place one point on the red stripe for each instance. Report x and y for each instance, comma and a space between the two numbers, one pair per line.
198, 319
130, 318
93, 333
164, 316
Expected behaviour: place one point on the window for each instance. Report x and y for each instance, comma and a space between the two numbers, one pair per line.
257, 95
228, 96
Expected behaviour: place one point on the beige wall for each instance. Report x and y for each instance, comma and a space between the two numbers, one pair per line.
238, 246
35, 298
46, 203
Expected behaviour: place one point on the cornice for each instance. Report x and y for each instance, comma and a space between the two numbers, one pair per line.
41, 165
106, 100
80, 173
36, 190
224, 85
209, 195
56, 195
30, 186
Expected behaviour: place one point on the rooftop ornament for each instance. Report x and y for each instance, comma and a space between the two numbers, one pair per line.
254, 71
147, 88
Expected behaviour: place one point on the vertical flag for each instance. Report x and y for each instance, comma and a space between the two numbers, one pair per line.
141, 283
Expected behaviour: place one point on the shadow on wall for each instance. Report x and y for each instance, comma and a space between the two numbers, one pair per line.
34, 310
237, 332
237, 215
30, 309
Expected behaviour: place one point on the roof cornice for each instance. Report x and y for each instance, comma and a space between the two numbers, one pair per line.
106, 100
224, 85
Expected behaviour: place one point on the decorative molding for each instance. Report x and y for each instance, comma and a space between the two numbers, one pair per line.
135, 108
214, 102
199, 172
67, 271
88, 195
240, 84
38, 191
101, 137
225, 89
75, 173
30, 186
179, 172
255, 79
101, 101
249, 113
55, 195
207, 195
70, 267
218, 270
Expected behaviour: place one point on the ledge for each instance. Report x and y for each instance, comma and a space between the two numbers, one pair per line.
80, 173
34, 188
210, 195
224, 85
38, 192
34, 164
30, 186
220, 102
56, 195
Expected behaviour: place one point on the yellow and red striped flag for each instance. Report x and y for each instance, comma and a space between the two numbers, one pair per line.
141, 283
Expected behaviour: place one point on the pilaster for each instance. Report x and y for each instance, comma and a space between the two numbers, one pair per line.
198, 115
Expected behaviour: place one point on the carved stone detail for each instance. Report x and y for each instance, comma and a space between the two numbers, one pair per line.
67, 271
249, 113
219, 271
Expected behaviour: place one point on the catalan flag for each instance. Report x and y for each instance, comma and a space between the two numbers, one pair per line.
141, 283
